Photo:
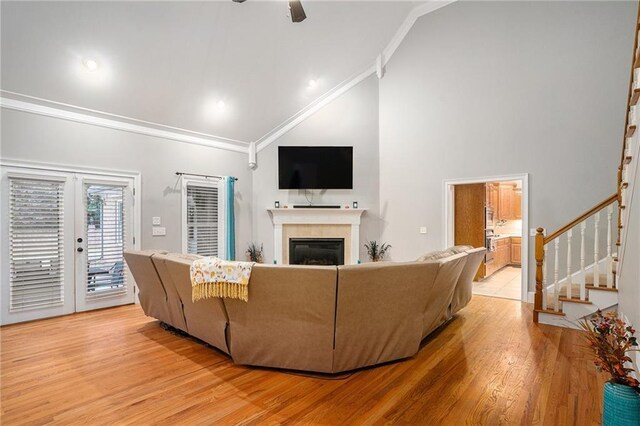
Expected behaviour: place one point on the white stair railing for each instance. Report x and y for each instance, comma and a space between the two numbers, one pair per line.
549, 297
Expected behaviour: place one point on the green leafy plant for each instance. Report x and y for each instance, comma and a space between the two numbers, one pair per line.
376, 251
254, 253
611, 339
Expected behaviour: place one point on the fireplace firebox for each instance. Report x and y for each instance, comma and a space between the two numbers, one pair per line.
316, 251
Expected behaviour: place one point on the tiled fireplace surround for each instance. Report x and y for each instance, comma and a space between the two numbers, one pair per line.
316, 223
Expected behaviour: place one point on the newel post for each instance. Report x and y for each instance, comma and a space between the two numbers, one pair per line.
537, 302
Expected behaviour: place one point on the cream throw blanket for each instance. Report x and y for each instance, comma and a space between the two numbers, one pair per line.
213, 277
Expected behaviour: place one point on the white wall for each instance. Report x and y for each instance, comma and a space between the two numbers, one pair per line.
497, 88
42, 139
350, 120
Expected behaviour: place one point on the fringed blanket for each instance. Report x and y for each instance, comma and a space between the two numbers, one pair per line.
213, 277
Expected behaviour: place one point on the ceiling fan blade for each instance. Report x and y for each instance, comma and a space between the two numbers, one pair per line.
296, 10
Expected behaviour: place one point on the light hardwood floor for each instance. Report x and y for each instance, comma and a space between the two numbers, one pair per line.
490, 365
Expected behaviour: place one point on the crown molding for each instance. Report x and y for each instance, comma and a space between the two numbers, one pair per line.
312, 108
44, 107
376, 68
401, 33
21, 102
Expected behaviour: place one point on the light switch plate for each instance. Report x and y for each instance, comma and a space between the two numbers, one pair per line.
156, 220
159, 231
423, 229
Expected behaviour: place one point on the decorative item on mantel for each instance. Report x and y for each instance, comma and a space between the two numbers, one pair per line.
254, 253
611, 339
376, 251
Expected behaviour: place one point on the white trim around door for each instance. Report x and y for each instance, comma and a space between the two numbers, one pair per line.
448, 215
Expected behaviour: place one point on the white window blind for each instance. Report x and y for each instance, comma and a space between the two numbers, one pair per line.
106, 234
202, 219
36, 220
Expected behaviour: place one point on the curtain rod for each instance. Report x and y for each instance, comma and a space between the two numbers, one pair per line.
205, 176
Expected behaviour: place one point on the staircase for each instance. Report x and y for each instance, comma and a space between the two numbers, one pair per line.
576, 265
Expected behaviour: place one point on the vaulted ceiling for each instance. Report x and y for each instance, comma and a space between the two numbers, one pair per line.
173, 62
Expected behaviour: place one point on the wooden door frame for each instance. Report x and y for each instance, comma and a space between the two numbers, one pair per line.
449, 219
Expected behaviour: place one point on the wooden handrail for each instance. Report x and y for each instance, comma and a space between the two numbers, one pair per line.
610, 200
633, 66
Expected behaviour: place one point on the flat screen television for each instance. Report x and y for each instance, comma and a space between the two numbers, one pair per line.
315, 167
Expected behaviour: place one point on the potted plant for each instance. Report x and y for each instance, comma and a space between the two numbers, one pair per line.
611, 339
376, 251
254, 253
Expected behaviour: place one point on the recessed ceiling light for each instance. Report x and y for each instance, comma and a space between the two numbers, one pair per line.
313, 83
220, 104
90, 64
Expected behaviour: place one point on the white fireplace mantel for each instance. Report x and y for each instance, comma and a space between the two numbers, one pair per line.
315, 216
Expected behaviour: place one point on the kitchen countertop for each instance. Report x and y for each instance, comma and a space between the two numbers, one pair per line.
502, 236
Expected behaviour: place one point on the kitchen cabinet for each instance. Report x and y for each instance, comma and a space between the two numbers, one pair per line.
517, 204
516, 250
503, 252
505, 201
493, 196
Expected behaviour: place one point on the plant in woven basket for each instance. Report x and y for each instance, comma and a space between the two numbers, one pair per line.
254, 253
611, 339
376, 251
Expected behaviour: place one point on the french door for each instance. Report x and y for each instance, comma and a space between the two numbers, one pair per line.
65, 237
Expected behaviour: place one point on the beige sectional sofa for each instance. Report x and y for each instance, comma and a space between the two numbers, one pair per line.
324, 319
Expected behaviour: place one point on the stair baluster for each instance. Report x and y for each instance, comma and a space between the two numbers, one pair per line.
596, 251
556, 281
609, 262
568, 281
544, 279
583, 277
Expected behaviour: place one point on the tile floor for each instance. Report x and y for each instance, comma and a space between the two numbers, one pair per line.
505, 283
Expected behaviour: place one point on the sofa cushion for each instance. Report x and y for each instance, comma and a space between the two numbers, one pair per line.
459, 249
435, 255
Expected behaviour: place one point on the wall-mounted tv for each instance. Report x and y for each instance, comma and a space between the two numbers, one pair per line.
315, 167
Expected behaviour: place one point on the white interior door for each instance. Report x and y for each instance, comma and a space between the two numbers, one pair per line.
37, 244
104, 229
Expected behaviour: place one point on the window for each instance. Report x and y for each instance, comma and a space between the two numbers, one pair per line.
203, 218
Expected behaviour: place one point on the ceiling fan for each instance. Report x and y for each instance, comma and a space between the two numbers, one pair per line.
295, 10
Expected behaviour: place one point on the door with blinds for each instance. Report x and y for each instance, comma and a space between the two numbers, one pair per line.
103, 231
65, 237
37, 250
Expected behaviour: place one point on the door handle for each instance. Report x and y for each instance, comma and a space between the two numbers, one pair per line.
79, 249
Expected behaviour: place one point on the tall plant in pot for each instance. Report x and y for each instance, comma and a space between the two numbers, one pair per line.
611, 340
376, 251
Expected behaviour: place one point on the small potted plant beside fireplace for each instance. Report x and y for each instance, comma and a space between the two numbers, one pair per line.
611, 339
376, 251
254, 253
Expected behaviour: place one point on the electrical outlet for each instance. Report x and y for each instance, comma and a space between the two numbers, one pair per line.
423, 229
156, 220
159, 231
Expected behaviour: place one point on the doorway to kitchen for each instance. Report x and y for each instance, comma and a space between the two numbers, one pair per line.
492, 212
